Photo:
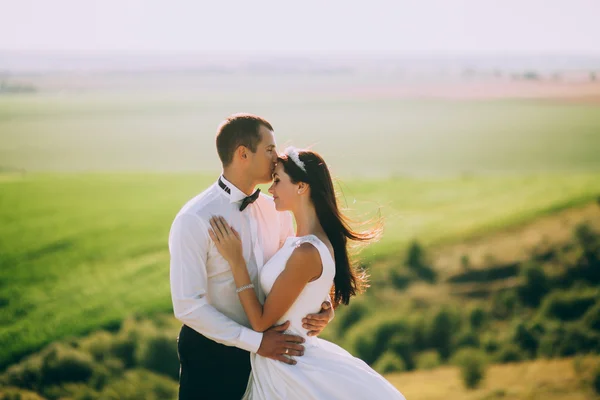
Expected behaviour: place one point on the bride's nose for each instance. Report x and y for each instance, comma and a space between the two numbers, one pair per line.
271, 189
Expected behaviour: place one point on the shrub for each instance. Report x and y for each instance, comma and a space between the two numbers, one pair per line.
351, 315
477, 318
569, 339
504, 304
389, 362
535, 286
417, 262
568, 305
99, 345
401, 344
371, 339
399, 278
509, 353
527, 337
27, 374
75, 391
428, 360
489, 343
159, 354
140, 384
465, 339
472, 365
591, 318
62, 363
587, 266
14, 393
596, 380
442, 328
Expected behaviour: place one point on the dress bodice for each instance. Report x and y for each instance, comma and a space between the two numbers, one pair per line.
314, 293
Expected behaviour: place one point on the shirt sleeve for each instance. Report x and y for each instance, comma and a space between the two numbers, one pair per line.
188, 245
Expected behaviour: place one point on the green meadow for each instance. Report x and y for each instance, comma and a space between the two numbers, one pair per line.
90, 183
83, 251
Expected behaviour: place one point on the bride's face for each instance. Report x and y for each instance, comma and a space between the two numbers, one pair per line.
285, 193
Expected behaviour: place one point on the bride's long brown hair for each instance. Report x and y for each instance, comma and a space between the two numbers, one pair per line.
348, 280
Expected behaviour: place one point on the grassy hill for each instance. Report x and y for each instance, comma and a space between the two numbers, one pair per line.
83, 251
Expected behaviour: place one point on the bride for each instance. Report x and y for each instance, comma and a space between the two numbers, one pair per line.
296, 280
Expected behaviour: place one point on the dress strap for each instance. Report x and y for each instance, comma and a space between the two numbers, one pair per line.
312, 239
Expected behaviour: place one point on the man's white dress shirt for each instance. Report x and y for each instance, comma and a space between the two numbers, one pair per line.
202, 285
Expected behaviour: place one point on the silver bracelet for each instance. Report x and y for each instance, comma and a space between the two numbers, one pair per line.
248, 286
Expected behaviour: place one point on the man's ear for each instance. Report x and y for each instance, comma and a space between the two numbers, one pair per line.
241, 152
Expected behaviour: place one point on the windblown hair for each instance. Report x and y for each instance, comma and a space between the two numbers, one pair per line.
348, 281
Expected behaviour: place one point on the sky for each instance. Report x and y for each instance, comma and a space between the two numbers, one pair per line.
309, 26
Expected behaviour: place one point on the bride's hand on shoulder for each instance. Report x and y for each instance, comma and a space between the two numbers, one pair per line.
227, 240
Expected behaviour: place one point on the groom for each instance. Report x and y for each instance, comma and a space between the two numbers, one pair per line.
214, 341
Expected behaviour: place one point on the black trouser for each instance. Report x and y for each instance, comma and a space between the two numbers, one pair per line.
209, 370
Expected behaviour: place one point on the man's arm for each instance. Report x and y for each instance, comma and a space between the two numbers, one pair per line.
188, 245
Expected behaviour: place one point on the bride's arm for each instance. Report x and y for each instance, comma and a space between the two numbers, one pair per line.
303, 265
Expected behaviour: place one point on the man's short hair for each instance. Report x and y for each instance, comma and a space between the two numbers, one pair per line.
239, 130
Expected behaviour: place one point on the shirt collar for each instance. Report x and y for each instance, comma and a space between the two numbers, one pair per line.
235, 194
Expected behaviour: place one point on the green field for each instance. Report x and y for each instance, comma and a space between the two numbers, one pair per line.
81, 251
358, 136
93, 181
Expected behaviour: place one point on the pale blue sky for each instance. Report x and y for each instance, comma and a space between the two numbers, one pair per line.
424, 26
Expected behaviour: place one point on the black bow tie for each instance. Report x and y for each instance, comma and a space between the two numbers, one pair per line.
246, 201
249, 199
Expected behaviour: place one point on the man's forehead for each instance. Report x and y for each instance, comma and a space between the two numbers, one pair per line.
268, 136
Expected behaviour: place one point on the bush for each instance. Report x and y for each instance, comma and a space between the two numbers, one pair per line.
444, 325
75, 391
62, 363
351, 315
401, 344
591, 318
417, 262
489, 343
428, 360
509, 353
371, 339
389, 362
504, 304
399, 278
569, 339
596, 380
99, 345
140, 384
568, 305
587, 266
472, 365
13, 393
527, 337
477, 318
27, 374
159, 354
465, 339
419, 333
536, 285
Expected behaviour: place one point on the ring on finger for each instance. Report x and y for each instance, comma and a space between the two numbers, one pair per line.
287, 351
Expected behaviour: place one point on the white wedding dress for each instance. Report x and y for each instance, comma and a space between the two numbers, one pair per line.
325, 371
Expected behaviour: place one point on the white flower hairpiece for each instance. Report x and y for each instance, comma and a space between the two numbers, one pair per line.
292, 153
